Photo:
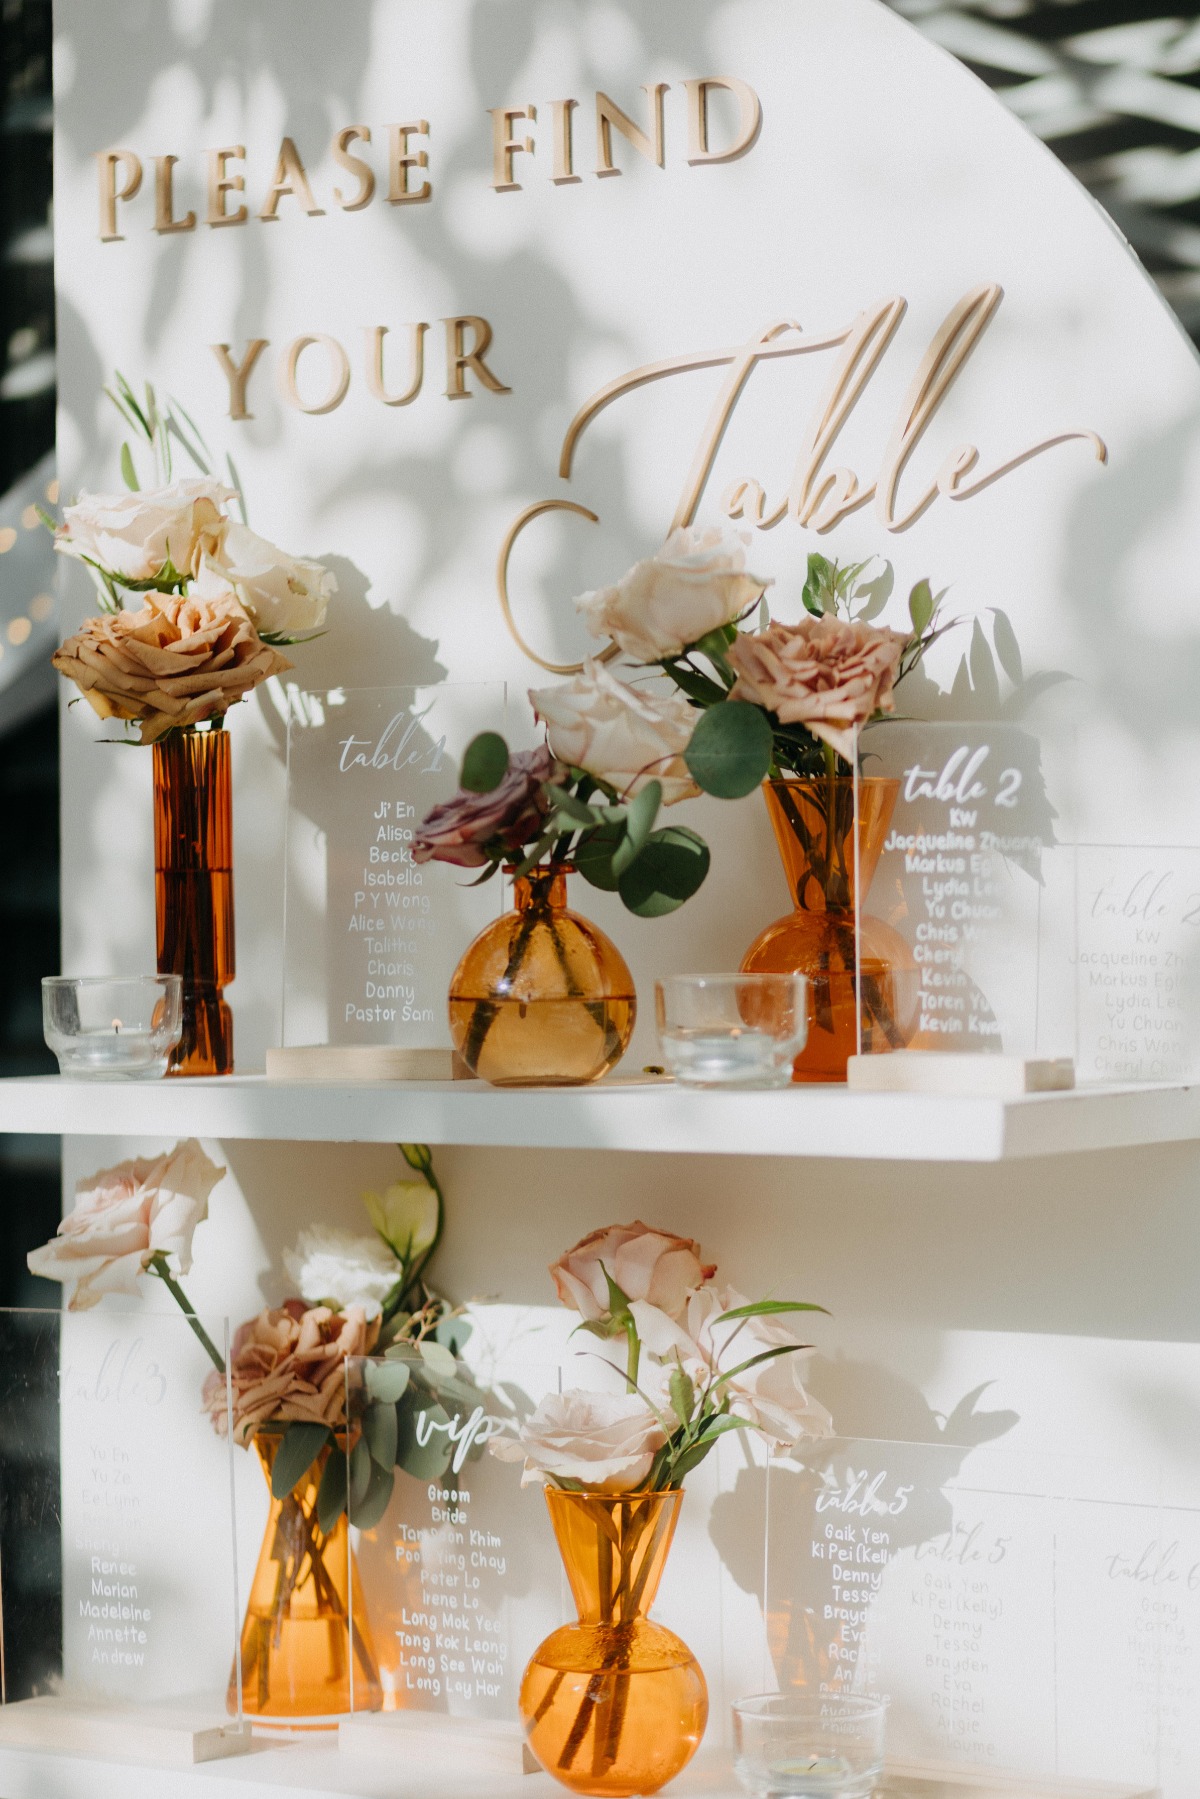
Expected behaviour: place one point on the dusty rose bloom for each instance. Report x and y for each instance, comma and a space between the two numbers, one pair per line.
824, 673
650, 1265
287, 1365
475, 828
177, 661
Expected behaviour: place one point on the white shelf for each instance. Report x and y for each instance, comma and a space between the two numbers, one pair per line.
649, 1115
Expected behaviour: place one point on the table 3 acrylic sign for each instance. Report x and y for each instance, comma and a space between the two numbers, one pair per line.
110, 1481
371, 938
1034, 1620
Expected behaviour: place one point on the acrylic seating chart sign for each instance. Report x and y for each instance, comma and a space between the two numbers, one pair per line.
116, 1450
1037, 1619
969, 876
371, 938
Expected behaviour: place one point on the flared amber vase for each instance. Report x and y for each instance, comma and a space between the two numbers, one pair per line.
814, 827
614, 1703
302, 1666
193, 891
542, 998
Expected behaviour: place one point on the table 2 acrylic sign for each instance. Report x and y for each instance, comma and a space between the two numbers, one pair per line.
370, 937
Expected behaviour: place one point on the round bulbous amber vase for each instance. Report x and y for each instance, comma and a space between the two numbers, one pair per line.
307, 1659
614, 1704
542, 998
827, 937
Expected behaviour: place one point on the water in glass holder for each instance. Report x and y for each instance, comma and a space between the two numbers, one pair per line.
732, 1030
113, 1028
809, 1746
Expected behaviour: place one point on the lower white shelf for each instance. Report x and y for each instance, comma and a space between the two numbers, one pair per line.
635, 1115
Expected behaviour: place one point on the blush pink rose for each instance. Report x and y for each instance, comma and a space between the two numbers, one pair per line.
824, 673
123, 1216
605, 1441
654, 1266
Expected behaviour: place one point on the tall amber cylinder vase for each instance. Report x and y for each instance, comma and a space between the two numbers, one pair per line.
193, 890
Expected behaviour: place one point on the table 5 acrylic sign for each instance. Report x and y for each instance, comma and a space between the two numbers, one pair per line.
1034, 1618
370, 937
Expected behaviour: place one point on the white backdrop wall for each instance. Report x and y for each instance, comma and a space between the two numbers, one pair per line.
882, 169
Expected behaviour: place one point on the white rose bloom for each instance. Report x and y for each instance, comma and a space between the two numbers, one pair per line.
618, 733
136, 534
772, 1396
605, 1441
695, 584
333, 1265
281, 593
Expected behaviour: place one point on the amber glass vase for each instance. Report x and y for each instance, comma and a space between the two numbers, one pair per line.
298, 1657
814, 827
193, 891
542, 998
614, 1703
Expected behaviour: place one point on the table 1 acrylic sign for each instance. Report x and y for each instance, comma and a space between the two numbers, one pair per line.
1031, 1618
975, 880
371, 938
112, 1484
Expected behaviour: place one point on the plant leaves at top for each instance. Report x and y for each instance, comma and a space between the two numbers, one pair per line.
920, 607
128, 472
439, 1363
299, 1449
816, 585
770, 1308
730, 751
387, 1381
593, 856
639, 822
332, 1494
1007, 648
669, 870
485, 763
455, 1333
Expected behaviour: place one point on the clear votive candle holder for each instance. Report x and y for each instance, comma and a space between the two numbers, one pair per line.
732, 1030
809, 1745
113, 1028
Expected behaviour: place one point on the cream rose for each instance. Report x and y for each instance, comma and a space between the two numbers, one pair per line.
288, 1365
333, 1267
605, 1441
178, 660
122, 1216
618, 734
135, 535
695, 584
654, 1266
824, 673
282, 593
771, 1396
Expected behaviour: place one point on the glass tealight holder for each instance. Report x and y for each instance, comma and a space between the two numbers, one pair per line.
113, 1028
732, 1030
809, 1745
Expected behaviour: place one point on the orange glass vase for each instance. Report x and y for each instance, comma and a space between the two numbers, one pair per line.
193, 891
814, 825
542, 998
300, 1668
614, 1704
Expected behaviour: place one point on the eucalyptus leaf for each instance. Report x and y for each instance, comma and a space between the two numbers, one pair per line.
593, 856
380, 1433
439, 1363
374, 1502
428, 1460
331, 1494
485, 763
920, 607
730, 751
299, 1449
639, 822
568, 803
669, 870
360, 1470
1007, 648
387, 1381
455, 1333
